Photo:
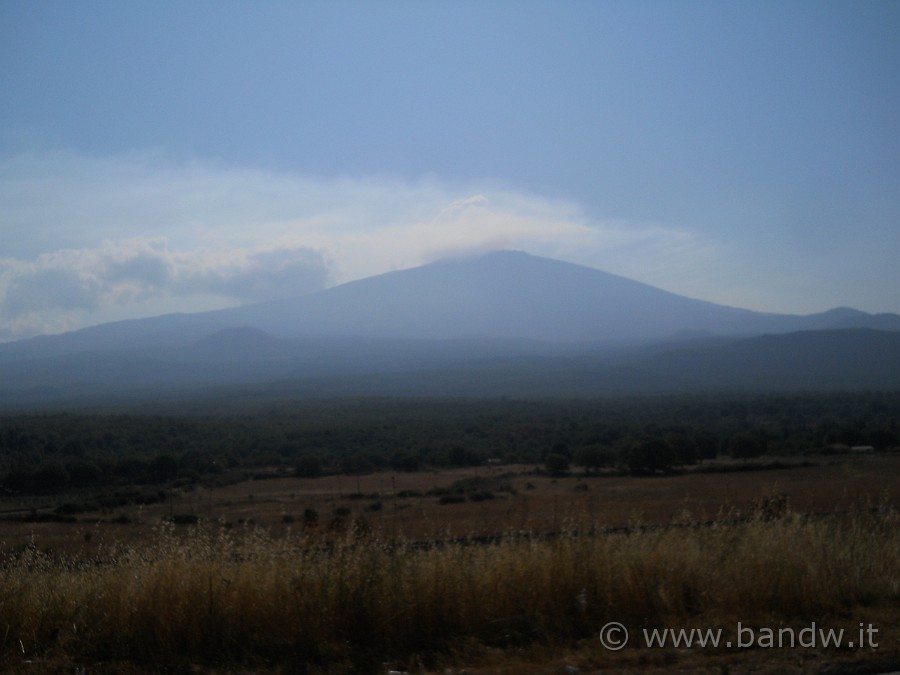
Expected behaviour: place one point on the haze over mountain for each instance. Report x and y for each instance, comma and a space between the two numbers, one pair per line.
458, 315
505, 294
509, 295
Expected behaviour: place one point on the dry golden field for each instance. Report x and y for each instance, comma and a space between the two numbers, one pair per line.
254, 587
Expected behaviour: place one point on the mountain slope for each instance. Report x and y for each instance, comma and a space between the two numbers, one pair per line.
855, 359
514, 295
841, 359
502, 295
535, 324
807, 361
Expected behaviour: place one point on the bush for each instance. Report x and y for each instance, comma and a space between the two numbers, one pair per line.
404, 461
184, 519
74, 508
308, 466
595, 457
746, 446
556, 463
50, 478
649, 455
48, 518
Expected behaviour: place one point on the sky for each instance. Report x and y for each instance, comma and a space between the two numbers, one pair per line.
160, 156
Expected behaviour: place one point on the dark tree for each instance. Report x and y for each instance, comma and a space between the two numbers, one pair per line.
404, 461
457, 455
595, 456
308, 466
50, 478
649, 455
684, 449
19, 479
746, 446
884, 439
83, 473
556, 462
162, 469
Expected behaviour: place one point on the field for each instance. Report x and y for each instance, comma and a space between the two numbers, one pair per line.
495, 569
489, 500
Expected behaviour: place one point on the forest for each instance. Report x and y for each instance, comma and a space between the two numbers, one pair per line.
52, 452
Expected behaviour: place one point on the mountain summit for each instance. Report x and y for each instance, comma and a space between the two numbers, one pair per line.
514, 295
500, 295
498, 318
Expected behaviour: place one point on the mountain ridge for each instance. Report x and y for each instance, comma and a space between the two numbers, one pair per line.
509, 317
801, 362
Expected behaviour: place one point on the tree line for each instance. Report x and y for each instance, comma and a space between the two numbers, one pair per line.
53, 452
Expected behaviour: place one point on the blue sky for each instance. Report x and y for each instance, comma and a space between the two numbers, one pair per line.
175, 156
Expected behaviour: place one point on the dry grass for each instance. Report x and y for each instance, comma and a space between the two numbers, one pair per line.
353, 601
540, 503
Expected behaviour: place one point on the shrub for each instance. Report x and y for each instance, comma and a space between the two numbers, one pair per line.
746, 446
308, 466
184, 519
556, 463
649, 455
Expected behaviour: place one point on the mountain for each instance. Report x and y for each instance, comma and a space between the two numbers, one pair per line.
501, 295
513, 295
506, 316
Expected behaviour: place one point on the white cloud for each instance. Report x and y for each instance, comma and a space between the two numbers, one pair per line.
134, 271
93, 239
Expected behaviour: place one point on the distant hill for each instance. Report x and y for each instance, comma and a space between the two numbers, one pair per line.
808, 361
507, 316
843, 359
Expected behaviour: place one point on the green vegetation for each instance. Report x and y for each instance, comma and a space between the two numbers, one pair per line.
58, 452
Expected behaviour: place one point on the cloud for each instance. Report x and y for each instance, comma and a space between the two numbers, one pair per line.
94, 239
251, 275
132, 272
